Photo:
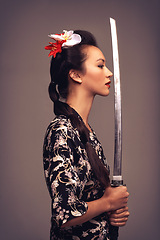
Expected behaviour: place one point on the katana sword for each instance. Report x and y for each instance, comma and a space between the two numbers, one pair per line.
117, 170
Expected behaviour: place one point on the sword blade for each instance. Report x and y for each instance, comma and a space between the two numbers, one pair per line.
117, 170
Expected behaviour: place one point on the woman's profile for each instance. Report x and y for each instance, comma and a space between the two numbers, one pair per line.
76, 171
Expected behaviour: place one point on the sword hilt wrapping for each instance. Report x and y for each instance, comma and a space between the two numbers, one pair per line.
114, 233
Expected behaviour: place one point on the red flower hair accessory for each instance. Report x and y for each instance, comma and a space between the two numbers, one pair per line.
66, 39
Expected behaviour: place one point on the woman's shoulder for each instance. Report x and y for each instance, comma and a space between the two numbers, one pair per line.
61, 132
58, 122
61, 125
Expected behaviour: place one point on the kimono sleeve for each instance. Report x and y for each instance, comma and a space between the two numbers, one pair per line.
62, 175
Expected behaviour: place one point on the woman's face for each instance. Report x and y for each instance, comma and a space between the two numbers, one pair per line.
96, 79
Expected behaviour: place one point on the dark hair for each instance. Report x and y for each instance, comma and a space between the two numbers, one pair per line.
73, 58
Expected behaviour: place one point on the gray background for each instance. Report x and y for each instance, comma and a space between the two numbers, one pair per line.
26, 109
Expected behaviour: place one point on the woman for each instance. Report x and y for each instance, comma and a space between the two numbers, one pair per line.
76, 171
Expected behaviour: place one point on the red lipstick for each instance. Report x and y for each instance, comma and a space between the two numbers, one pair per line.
108, 84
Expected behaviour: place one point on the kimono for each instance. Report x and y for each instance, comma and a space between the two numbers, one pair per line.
71, 181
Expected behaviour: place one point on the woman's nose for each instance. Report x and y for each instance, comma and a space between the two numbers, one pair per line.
108, 73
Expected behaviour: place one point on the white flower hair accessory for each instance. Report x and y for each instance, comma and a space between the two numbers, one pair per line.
66, 39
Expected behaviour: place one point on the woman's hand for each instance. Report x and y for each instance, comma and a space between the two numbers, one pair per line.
119, 217
112, 199
115, 198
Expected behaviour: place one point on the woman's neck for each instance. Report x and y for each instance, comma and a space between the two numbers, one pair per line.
82, 105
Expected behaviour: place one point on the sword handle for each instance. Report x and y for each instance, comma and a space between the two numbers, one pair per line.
113, 230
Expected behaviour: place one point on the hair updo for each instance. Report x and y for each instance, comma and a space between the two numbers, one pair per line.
73, 58
70, 58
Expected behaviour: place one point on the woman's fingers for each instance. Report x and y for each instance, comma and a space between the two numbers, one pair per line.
119, 223
122, 212
119, 217
116, 198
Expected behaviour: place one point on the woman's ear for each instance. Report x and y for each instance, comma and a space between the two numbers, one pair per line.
75, 76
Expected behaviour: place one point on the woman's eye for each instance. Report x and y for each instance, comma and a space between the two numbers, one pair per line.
101, 66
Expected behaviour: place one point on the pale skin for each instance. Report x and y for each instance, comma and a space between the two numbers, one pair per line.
83, 87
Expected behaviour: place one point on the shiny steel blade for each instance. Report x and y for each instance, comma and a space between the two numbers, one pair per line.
117, 171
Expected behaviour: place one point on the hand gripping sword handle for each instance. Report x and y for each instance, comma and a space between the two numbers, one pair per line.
113, 230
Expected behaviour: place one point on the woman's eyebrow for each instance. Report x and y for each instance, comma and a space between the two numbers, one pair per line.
101, 59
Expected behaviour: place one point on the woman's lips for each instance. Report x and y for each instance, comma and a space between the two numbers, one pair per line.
108, 84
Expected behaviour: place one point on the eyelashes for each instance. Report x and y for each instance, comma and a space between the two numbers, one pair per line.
101, 66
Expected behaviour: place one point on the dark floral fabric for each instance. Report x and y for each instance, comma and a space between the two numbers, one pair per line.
71, 182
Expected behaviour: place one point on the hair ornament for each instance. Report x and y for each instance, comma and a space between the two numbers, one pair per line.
66, 39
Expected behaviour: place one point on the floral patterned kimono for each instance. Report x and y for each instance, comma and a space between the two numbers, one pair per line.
71, 181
